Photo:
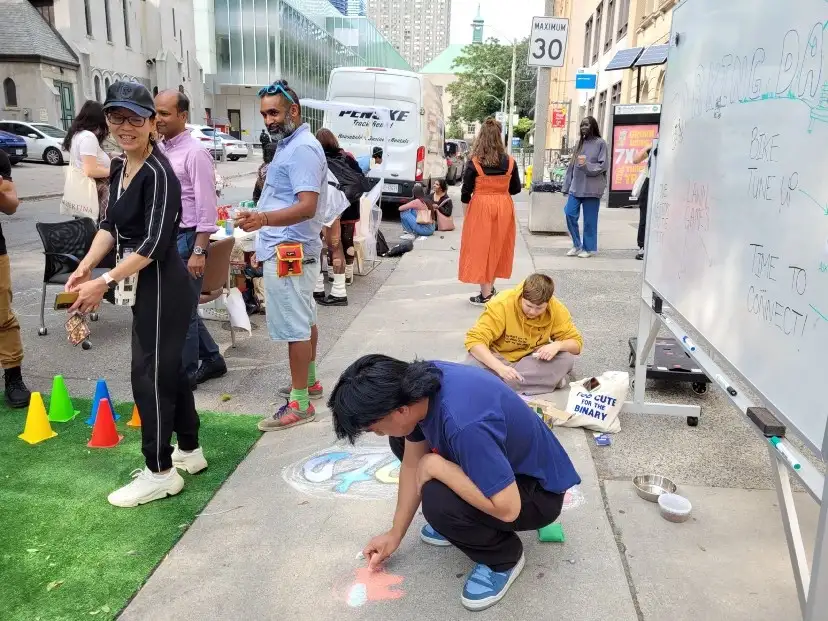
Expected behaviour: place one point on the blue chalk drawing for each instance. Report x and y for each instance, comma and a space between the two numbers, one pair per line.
818, 204
315, 474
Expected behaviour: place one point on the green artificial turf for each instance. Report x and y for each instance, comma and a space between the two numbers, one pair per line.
65, 552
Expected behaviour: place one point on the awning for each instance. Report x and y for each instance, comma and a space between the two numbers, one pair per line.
624, 59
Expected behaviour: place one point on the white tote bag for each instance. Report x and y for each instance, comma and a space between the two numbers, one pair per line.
80, 195
597, 409
639, 183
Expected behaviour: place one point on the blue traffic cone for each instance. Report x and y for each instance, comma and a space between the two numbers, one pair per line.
101, 392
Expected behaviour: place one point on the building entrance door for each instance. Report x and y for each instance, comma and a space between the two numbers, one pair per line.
234, 116
67, 103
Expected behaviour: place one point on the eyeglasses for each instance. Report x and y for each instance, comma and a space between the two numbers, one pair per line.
277, 88
119, 119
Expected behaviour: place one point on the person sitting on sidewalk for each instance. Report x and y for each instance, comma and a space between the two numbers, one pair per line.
484, 465
416, 216
527, 337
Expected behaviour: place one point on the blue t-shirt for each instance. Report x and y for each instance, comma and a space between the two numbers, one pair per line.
299, 165
477, 422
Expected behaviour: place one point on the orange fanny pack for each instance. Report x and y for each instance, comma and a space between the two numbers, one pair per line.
289, 258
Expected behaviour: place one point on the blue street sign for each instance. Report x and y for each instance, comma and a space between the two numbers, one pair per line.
515, 142
586, 81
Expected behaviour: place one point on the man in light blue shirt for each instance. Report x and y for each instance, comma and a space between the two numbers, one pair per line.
296, 183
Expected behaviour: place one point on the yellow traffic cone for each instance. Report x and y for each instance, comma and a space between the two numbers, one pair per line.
135, 421
37, 428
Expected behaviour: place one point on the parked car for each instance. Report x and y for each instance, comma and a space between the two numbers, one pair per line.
44, 142
14, 146
219, 142
207, 135
233, 147
457, 154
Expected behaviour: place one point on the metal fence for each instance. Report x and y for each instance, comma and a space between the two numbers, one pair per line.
554, 160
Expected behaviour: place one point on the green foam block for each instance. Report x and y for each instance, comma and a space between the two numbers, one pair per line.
552, 532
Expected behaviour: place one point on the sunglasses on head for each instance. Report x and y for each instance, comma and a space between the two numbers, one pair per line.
277, 88
119, 119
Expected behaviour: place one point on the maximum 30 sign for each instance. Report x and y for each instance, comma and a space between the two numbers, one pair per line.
547, 44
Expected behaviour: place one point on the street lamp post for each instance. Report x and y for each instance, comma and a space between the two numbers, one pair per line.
510, 112
505, 100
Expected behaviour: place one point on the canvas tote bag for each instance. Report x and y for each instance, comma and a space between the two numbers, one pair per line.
80, 195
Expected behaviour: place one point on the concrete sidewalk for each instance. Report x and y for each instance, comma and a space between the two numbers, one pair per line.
279, 540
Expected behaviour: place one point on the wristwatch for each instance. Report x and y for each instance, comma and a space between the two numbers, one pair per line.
199, 251
110, 282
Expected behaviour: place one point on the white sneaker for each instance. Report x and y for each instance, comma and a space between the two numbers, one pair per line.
584, 254
408, 236
146, 487
193, 462
573, 252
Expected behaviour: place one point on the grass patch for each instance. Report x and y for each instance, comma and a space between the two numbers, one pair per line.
65, 552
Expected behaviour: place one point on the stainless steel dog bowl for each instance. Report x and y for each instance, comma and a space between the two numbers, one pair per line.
651, 486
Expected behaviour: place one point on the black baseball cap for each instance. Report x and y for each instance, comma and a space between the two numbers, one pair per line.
130, 95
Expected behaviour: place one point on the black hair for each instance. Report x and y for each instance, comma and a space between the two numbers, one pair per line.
290, 91
594, 131
443, 185
376, 385
91, 118
183, 103
376, 152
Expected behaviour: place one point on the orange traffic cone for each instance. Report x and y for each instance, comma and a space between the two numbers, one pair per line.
37, 427
135, 421
104, 433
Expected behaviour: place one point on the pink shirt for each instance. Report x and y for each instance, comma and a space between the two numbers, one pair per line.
193, 165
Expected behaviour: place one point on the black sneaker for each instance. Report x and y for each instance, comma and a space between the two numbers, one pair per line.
17, 394
319, 295
211, 370
639, 256
330, 300
479, 300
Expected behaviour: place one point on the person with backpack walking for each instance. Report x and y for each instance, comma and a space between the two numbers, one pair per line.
339, 236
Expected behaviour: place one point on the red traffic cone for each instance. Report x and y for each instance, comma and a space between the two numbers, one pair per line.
104, 433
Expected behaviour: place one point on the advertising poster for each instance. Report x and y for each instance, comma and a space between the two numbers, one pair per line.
627, 141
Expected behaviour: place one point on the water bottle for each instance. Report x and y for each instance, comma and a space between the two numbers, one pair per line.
228, 223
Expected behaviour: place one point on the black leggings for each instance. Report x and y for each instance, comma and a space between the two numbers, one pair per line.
347, 232
642, 212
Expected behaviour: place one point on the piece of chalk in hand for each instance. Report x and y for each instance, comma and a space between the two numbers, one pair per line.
360, 556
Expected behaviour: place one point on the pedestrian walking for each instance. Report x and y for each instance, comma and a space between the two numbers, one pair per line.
193, 166
289, 245
84, 142
11, 346
142, 225
643, 197
264, 139
487, 247
481, 462
585, 182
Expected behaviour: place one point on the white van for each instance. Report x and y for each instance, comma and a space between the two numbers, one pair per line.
417, 133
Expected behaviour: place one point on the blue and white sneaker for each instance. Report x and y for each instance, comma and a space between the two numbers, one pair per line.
432, 537
485, 587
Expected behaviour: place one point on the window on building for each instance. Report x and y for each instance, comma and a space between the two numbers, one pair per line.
125, 8
591, 106
108, 21
46, 8
602, 109
623, 17
610, 25
181, 44
175, 30
10, 93
596, 44
587, 42
88, 13
98, 88
188, 64
106, 83
616, 93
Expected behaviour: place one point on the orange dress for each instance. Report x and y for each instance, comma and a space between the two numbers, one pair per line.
487, 248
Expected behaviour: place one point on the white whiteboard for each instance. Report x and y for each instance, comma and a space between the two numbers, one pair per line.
738, 228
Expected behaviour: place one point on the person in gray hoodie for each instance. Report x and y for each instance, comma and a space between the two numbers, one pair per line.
585, 182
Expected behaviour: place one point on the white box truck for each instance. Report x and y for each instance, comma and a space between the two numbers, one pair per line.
416, 136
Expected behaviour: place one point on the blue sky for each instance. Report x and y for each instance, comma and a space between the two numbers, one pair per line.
503, 18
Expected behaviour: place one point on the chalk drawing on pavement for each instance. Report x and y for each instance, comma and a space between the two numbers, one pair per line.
373, 586
364, 472
573, 499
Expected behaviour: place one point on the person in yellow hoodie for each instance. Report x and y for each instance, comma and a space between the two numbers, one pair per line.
527, 337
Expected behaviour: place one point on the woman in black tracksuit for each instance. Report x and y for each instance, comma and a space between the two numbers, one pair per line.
141, 222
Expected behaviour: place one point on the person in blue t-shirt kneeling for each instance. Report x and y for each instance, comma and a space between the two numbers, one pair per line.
481, 461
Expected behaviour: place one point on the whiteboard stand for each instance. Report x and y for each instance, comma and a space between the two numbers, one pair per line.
812, 587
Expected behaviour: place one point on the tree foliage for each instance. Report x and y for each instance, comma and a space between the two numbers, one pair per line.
454, 129
473, 93
523, 127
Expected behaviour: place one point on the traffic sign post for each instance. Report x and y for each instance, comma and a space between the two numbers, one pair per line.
547, 44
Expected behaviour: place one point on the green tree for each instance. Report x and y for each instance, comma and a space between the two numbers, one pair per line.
523, 127
475, 94
454, 130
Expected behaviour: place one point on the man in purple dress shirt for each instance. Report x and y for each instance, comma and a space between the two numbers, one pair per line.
193, 166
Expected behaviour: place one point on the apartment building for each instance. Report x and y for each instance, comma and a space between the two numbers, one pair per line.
350, 8
89, 44
418, 29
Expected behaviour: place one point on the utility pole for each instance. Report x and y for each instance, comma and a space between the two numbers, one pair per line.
510, 113
542, 111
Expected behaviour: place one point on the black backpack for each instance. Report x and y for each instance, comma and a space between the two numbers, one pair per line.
351, 182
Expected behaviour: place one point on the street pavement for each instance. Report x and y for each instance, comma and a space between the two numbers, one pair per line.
279, 539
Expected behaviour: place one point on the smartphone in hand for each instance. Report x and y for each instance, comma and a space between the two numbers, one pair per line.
65, 300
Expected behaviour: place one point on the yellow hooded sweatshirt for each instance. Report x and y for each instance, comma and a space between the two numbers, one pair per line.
504, 328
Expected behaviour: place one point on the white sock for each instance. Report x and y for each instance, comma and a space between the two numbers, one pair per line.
320, 284
163, 477
349, 273
338, 288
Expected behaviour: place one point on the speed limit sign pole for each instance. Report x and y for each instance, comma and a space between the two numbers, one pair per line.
547, 49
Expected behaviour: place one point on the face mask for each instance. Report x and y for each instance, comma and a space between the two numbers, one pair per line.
280, 131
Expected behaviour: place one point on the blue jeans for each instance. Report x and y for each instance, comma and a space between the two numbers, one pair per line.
199, 345
408, 218
572, 210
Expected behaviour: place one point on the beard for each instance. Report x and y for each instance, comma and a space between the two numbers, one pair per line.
280, 131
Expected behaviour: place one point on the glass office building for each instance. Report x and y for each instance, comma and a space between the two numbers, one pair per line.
301, 41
